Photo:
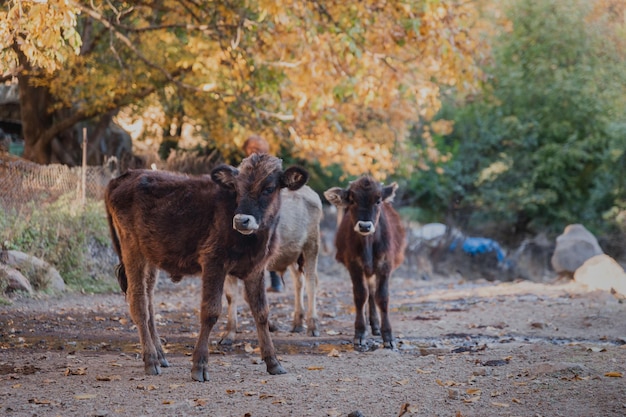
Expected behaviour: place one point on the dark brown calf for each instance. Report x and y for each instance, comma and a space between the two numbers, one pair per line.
370, 243
212, 226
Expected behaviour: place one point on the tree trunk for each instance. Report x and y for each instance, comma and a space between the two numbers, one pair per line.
36, 119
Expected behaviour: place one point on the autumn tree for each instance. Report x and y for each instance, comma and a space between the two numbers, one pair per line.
338, 82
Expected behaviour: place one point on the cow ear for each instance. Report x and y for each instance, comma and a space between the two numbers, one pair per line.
389, 192
294, 178
224, 176
337, 196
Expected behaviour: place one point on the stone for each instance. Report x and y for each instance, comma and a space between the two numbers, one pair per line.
14, 279
41, 275
573, 248
602, 273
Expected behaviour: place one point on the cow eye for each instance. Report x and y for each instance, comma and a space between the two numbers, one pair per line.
379, 201
269, 190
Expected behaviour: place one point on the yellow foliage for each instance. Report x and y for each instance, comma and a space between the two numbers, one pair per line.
44, 31
343, 82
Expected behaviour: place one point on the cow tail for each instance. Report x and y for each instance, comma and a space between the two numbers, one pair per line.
120, 271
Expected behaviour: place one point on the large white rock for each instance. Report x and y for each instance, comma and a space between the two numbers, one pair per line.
602, 273
573, 248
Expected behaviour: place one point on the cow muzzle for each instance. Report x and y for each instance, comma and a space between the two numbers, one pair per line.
245, 224
364, 228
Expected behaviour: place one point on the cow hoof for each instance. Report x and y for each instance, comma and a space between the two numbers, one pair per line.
226, 341
272, 327
376, 331
164, 363
152, 369
390, 345
297, 329
200, 373
314, 333
360, 344
274, 367
276, 370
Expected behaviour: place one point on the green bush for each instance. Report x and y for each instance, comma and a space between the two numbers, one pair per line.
60, 233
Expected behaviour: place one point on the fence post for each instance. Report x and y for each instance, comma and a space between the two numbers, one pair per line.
84, 173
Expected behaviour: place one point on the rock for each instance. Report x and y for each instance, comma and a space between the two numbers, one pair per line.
532, 259
573, 248
14, 280
602, 273
40, 274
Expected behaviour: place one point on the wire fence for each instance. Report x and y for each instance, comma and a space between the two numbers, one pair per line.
25, 185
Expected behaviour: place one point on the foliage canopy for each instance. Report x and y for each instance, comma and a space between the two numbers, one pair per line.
543, 146
338, 82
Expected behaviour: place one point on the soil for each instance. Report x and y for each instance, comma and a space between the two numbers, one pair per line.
465, 348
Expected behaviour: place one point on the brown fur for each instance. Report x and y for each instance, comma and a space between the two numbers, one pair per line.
208, 225
299, 241
370, 243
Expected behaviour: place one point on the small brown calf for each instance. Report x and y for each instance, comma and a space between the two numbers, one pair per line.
213, 225
370, 243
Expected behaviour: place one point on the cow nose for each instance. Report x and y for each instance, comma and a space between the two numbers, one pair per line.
245, 224
364, 227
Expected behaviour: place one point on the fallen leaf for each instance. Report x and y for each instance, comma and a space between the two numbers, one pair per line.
231, 391
200, 402
281, 401
471, 400
168, 402
78, 371
250, 393
613, 374
265, 396
332, 332
98, 318
85, 396
596, 349
402, 382
334, 353
473, 391
516, 401
422, 371
315, 368
108, 378
504, 405
39, 402
174, 386
404, 409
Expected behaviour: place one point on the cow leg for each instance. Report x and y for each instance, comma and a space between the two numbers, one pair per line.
360, 293
231, 289
310, 274
298, 310
371, 302
140, 311
254, 286
382, 300
210, 309
151, 280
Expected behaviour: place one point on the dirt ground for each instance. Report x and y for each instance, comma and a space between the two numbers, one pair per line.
465, 349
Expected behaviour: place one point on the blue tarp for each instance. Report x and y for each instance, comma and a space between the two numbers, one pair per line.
474, 245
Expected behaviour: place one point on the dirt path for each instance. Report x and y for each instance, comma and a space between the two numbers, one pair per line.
465, 349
